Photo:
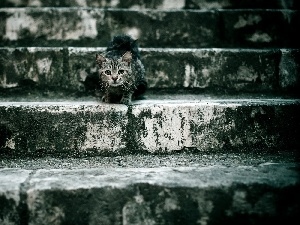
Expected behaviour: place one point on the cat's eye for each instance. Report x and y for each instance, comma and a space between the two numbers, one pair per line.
107, 72
120, 71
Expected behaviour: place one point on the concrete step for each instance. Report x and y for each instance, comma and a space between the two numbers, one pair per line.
92, 27
74, 69
163, 125
212, 189
153, 4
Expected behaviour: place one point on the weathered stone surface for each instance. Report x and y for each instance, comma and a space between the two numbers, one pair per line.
240, 70
248, 70
52, 128
217, 189
245, 4
155, 4
83, 69
211, 125
131, 4
93, 128
142, 160
75, 70
214, 195
289, 69
32, 66
257, 28
161, 28
11, 196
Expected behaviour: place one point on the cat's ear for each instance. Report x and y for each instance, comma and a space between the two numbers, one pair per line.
127, 57
100, 59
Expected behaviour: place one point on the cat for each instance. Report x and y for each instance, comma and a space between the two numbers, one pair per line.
121, 72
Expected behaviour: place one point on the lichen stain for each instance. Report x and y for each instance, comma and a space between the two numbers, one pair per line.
205, 208
137, 211
134, 32
260, 37
17, 23
159, 79
168, 133
194, 79
241, 204
155, 15
171, 204
6, 137
288, 75
88, 25
5, 84
245, 73
189, 126
189, 75
103, 136
287, 15
85, 26
44, 65
213, 5
206, 32
207, 125
174, 4
247, 20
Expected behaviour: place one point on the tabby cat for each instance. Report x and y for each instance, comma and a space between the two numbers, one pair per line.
121, 72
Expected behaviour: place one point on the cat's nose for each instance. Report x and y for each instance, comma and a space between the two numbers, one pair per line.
114, 78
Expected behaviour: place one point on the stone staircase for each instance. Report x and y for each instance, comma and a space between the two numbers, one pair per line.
215, 139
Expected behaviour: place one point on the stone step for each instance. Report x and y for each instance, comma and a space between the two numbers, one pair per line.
217, 189
153, 4
245, 4
74, 69
92, 27
163, 125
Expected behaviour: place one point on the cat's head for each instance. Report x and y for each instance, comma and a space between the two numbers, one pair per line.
115, 72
